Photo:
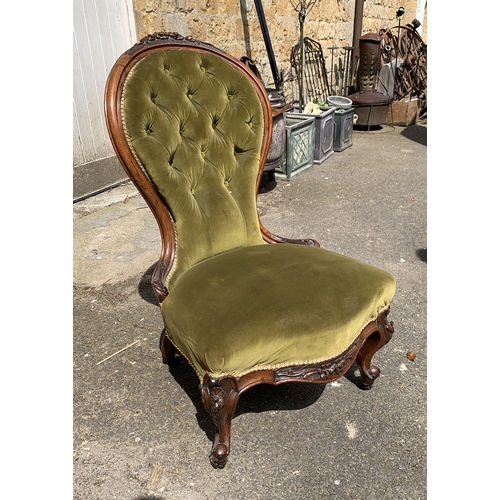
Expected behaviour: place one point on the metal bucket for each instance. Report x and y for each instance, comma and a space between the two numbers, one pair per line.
277, 148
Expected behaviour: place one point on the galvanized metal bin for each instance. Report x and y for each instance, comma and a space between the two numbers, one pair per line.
343, 121
277, 148
323, 135
299, 150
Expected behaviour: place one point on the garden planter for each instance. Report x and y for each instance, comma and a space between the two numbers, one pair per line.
339, 102
277, 148
343, 120
299, 150
324, 128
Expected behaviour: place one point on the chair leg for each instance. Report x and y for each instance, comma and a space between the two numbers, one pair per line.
167, 349
373, 343
220, 397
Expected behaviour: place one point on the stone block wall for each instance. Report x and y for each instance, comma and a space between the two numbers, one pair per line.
233, 25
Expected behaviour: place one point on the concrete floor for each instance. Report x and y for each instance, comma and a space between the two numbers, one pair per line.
140, 430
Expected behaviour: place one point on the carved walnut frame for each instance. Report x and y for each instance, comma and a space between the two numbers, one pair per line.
221, 395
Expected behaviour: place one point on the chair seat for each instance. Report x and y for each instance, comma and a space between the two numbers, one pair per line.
272, 305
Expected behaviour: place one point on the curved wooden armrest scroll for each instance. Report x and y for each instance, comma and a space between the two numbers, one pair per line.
272, 238
167, 232
158, 280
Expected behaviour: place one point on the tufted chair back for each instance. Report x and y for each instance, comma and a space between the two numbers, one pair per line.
197, 124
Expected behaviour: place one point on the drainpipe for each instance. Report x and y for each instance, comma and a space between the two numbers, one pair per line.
267, 41
421, 5
358, 27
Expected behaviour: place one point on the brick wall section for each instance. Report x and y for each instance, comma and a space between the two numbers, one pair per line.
233, 25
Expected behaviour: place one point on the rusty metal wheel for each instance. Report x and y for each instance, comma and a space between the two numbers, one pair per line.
403, 46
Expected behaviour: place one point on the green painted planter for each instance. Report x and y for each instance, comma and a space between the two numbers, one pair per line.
299, 147
323, 135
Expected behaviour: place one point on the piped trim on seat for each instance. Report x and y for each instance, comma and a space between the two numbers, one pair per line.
228, 330
279, 366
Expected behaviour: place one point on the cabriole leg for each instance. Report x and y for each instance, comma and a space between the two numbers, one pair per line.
220, 397
373, 343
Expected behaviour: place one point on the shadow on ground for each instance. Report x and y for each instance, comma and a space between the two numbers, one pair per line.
145, 289
148, 498
422, 254
261, 398
417, 133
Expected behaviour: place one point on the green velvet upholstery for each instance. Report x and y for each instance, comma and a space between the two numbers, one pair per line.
270, 306
196, 125
235, 303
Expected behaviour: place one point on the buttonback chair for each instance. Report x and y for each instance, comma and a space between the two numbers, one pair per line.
191, 126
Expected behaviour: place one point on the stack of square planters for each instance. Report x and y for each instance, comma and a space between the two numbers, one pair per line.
312, 138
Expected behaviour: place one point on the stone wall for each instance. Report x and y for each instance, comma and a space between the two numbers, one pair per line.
233, 25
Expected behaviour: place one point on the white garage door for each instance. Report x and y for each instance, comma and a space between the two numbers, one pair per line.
102, 31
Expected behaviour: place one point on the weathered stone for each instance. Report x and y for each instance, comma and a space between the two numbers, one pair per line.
234, 25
